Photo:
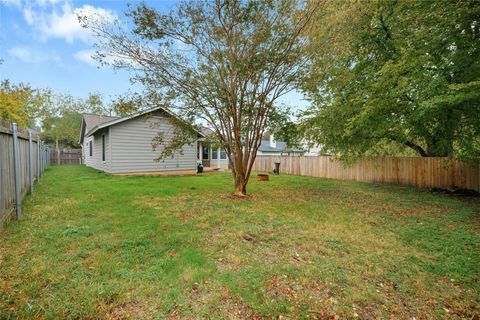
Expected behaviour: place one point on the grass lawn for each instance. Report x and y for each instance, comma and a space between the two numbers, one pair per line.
93, 245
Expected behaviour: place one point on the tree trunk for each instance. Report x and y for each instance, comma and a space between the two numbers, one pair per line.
240, 184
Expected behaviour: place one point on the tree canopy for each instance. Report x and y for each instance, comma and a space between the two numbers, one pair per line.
56, 116
62, 119
22, 104
393, 76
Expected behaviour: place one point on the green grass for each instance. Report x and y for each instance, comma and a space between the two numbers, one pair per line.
93, 245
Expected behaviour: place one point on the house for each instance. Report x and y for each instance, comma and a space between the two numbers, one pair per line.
124, 145
273, 147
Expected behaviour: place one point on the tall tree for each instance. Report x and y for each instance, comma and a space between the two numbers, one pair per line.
22, 104
61, 121
225, 61
393, 75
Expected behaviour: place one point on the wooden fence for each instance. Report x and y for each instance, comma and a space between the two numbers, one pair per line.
23, 159
65, 156
422, 172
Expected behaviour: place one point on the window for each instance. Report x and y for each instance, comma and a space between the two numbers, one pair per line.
205, 153
103, 147
90, 147
223, 154
214, 154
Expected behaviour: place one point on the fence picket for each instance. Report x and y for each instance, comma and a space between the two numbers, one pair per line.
417, 171
20, 166
65, 156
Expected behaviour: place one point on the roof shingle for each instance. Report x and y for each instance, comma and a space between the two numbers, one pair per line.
92, 120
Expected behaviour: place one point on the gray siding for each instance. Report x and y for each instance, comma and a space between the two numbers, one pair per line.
131, 145
95, 161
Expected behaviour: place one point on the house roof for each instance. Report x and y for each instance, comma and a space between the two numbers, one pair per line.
115, 120
92, 120
207, 131
281, 146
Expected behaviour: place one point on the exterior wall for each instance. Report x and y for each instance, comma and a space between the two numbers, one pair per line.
95, 161
131, 145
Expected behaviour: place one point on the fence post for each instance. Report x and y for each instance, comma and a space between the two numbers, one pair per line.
38, 157
16, 159
44, 160
58, 153
41, 159
30, 160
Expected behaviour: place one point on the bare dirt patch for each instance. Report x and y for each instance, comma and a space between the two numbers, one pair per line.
131, 310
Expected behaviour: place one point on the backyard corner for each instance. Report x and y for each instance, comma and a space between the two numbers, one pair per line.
93, 245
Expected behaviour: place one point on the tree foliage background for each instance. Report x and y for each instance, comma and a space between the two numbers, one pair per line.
56, 116
396, 77
21, 103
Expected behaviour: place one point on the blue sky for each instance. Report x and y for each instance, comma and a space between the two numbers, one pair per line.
42, 43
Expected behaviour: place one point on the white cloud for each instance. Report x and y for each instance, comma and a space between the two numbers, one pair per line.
46, 2
64, 25
58, 19
28, 15
16, 3
21, 53
85, 56
29, 55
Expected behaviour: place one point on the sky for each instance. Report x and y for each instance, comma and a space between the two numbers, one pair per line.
42, 44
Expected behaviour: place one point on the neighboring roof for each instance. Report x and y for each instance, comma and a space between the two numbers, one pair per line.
265, 144
116, 120
281, 146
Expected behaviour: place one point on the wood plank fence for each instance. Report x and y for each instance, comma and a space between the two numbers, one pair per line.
65, 156
23, 160
417, 171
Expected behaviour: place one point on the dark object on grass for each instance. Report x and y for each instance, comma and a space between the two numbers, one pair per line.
262, 177
456, 191
199, 167
250, 238
276, 170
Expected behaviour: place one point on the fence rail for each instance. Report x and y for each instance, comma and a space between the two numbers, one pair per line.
23, 160
422, 172
65, 156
